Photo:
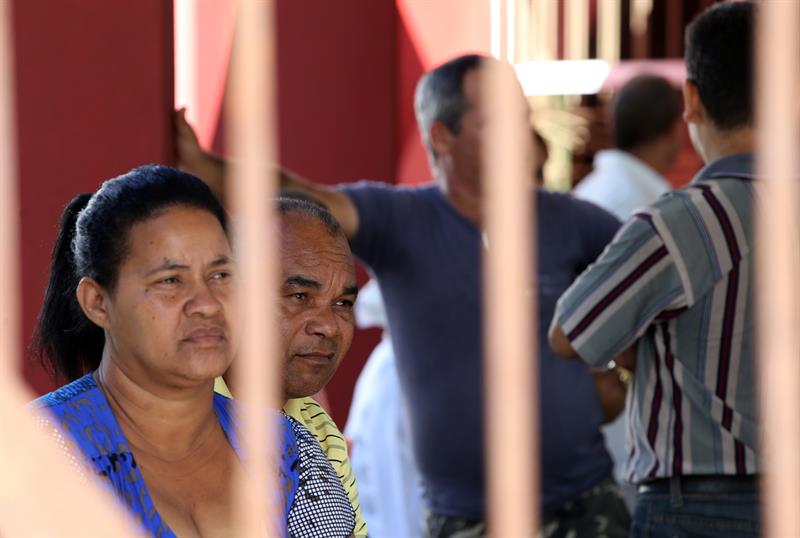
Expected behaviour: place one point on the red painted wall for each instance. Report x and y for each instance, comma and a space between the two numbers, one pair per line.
336, 88
336, 95
93, 94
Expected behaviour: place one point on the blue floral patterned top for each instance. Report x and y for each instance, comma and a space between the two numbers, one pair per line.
81, 411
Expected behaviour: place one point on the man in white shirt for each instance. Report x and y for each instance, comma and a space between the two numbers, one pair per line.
648, 134
390, 487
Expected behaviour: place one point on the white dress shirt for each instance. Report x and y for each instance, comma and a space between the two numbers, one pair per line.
621, 183
388, 481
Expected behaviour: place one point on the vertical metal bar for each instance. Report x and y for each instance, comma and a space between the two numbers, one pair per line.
38, 491
251, 128
511, 30
496, 22
674, 29
609, 15
543, 32
511, 350
576, 13
639, 27
524, 20
9, 235
778, 269
186, 19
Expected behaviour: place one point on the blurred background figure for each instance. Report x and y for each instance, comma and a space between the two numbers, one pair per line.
542, 154
381, 457
648, 134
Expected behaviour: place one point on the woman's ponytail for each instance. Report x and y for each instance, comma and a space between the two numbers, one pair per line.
67, 343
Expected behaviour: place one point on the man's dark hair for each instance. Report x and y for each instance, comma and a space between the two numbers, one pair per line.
93, 242
644, 109
299, 205
440, 96
719, 49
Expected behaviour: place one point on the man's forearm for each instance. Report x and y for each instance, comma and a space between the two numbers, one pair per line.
216, 170
292, 182
611, 390
213, 172
559, 342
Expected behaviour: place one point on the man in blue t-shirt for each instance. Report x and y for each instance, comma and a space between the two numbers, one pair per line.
424, 245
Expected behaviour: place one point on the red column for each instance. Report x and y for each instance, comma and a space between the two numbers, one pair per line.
94, 94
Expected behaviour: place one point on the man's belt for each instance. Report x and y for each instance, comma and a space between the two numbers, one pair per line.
709, 484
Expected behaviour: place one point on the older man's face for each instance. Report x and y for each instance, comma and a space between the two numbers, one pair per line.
318, 289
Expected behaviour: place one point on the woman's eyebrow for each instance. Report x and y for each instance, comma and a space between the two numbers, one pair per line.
168, 265
171, 265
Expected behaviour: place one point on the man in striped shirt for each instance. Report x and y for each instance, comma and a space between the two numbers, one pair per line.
673, 291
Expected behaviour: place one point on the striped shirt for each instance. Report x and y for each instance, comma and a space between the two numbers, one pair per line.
677, 280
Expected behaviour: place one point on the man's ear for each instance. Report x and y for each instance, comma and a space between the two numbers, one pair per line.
693, 110
94, 301
441, 138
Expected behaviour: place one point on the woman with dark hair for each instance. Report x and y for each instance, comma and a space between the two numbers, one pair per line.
137, 316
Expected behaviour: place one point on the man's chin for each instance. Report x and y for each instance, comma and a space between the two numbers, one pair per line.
304, 391
304, 382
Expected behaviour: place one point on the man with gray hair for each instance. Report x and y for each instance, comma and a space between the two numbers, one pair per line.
424, 245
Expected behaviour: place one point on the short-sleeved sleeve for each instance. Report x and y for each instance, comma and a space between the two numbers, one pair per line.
611, 304
376, 206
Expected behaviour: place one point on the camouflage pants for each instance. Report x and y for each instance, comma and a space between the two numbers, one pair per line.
599, 512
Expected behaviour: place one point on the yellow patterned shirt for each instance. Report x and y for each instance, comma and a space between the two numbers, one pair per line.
311, 415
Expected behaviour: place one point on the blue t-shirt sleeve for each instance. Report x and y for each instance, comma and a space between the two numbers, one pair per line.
376, 206
596, 228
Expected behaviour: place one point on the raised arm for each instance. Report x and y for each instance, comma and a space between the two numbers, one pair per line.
212, 169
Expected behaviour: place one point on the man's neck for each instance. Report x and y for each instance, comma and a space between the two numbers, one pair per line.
719, 144
653, 156
169, 424
464, 200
